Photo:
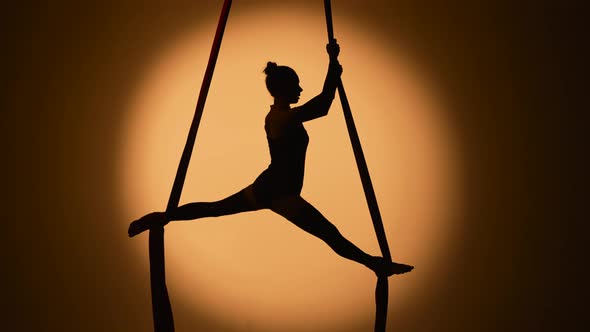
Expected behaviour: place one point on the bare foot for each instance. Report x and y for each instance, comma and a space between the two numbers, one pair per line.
398, 268
151, 220
383, 267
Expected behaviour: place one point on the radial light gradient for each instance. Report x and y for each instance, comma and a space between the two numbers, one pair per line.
256, 270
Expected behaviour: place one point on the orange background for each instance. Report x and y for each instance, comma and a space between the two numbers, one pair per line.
242, 267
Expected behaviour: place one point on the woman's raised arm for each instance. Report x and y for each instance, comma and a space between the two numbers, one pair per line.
320, 104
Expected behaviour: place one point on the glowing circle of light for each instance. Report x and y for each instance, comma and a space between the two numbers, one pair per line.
256, 267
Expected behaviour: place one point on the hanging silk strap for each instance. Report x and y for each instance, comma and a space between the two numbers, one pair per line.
161, 309
381, 291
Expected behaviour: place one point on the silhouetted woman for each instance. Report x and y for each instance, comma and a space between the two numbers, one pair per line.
278, 188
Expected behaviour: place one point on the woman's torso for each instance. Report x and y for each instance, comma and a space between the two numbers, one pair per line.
287, 142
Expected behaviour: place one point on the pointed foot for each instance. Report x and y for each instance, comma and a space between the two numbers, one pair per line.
383, 267
149, 221
398, 268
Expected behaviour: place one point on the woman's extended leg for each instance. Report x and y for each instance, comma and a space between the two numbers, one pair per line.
241, 201
305, 216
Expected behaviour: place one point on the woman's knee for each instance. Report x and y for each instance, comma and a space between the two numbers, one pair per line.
328, 229
306, 217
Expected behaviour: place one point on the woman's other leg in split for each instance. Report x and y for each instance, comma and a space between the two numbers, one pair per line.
242, 201
305, 216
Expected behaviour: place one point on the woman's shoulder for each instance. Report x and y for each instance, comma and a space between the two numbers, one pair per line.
280, 123
282, 116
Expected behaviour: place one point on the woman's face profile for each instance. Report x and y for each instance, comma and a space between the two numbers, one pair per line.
292, 89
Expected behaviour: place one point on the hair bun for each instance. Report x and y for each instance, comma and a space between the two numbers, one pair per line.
271, 67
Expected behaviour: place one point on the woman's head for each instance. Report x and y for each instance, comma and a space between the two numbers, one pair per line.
282, 82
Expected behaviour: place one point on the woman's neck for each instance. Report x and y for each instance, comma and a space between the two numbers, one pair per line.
281, 104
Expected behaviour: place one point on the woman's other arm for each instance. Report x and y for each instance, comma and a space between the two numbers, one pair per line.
320, 104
